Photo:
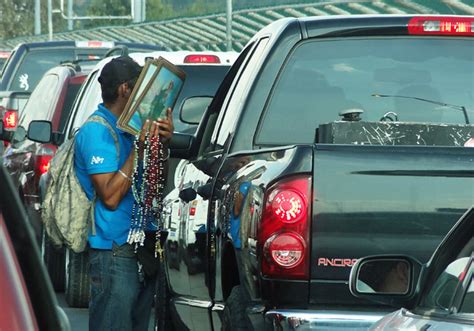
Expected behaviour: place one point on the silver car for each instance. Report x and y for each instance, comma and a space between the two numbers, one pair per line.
436, 296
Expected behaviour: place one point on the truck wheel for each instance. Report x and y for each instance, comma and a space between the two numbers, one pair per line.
77, 279
54, 261
235, 318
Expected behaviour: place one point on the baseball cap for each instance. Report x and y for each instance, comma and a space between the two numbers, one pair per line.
119, 70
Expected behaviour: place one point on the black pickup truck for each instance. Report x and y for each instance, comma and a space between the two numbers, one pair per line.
331, 138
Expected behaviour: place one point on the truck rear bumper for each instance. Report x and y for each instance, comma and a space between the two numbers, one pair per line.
301, 320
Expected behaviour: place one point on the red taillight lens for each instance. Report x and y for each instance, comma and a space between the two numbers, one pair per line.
43, 159
284, 230
289, 206
200, 58
192, 211
10, 119
43, 164
432, 25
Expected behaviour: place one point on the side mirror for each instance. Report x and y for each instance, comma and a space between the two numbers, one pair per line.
40, 131
391, 280
193, 108
181, 145
205, 191
187, 194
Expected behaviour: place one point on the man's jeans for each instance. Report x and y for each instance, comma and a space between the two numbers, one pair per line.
119, 300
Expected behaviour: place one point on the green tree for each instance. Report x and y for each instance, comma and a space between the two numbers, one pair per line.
17, 18
155, 10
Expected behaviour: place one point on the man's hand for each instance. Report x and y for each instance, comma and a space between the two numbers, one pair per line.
166, 127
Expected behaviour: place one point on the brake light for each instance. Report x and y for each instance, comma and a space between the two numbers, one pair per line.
283, 233
201, 58
43, 159
192, 208
10, 119
4, 55
94, 44
289, 206
432, 25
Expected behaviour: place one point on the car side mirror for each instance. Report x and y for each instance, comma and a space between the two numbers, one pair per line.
193, 109
181, 145
205, 191
187, 194
389, 279
40, 131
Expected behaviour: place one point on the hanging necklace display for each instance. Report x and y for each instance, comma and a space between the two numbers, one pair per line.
147, 189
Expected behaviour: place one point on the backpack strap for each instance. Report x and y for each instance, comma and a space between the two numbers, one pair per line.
103, 121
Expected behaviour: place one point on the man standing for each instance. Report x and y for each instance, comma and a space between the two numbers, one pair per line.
120, 299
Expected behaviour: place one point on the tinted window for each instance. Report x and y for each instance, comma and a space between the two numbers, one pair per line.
323, 78
71, 94
442, 291
468, 301
35, 64
41, 101
231, 117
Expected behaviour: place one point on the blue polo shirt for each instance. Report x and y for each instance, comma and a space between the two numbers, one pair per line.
96, 153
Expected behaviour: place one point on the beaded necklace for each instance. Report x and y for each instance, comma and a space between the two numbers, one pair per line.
147, 189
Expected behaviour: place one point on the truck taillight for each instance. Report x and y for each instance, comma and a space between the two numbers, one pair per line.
289, 206
284, 230
441, 25
43, 159
10, 119
201, 58
285, 249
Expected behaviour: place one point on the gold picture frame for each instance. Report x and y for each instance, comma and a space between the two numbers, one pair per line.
157, 89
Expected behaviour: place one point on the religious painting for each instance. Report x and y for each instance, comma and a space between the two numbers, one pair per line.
156, 90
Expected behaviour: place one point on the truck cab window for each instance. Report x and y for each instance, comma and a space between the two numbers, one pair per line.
325, 77
215, 108
229, 121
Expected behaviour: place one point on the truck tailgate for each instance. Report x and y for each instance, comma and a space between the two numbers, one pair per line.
384, 199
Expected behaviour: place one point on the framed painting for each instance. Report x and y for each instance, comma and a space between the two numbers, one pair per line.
156, 90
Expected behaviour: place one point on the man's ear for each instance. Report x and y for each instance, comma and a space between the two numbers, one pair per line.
123, 90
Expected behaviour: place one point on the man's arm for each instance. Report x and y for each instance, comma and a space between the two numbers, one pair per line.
112, 187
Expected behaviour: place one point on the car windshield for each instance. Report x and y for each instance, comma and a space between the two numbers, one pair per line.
409, 79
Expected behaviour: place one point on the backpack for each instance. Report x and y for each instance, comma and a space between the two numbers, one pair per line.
67, 213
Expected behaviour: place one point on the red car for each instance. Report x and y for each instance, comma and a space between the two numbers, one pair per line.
26, 160
27, 300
